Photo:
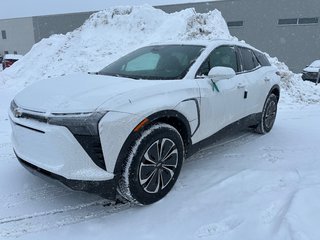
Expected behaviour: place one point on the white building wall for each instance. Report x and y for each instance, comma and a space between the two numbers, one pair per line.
19, 35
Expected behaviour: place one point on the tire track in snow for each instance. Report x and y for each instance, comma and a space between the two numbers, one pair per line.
18, 225
47, 193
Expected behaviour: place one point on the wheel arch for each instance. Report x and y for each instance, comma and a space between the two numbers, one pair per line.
171, 117
275, 90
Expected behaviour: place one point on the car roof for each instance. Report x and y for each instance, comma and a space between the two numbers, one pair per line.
206, 43
315, 63
12, 56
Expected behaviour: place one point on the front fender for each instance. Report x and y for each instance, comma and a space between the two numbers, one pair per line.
114, 128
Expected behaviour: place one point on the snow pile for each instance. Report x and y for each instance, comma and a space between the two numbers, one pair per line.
106, 36
111, 33
294, 89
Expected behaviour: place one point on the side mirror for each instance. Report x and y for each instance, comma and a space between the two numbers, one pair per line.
220, 73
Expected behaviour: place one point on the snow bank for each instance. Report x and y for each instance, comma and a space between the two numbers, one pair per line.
294, 89
108, 34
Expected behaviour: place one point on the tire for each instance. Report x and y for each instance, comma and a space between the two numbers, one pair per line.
153, 166
268, 115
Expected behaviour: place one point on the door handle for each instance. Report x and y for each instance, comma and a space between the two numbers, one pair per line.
240, 85
267, 79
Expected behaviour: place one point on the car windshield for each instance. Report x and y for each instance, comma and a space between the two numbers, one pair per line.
315, 64
155, 62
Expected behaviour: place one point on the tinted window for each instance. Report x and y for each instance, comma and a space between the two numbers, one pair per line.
235, 24
287, 21
249, 60
308, 20
155, 62
224, 56
263, 60
4, 34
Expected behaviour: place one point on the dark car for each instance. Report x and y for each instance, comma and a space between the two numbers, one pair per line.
9, 59
312, 72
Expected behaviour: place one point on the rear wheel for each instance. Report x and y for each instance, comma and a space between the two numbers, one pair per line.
269, 114
153, 165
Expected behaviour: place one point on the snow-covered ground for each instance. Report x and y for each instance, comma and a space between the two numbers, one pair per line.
245, 186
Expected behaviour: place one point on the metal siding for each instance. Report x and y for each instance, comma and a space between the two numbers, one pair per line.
45, 26
296, 45
19, 33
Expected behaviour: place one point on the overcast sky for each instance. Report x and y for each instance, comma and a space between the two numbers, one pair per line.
26, 8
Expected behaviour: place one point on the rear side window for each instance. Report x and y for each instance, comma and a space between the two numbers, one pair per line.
224, 56
263, 60
249, 60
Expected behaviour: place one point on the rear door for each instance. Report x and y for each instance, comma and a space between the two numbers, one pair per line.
258, 80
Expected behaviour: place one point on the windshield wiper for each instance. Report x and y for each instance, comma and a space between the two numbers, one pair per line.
120, 75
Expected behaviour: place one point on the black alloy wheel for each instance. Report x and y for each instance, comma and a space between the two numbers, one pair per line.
158, 165
269, 114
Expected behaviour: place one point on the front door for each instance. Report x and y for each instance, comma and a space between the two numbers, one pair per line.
222, 102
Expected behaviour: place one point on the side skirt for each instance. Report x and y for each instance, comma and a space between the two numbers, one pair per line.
250, 121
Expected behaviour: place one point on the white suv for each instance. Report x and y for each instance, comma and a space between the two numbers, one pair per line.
127, 128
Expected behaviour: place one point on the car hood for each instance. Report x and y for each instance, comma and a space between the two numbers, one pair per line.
311, 69
79, 93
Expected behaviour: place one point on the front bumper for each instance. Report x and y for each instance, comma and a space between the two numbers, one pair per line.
105, 189
53, 153
55, 149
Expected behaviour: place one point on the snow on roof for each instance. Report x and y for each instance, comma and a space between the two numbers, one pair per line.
315, 64
13, 56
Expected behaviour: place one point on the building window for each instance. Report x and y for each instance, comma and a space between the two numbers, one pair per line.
298, 21
4, 34
235, 24
288, 21
15, 52
308, 20
6, 52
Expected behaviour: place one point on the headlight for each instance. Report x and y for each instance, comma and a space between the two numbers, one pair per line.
84, 123
78, 123
16, 111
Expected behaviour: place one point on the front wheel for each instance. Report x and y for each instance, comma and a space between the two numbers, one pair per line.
153, 165
269, 114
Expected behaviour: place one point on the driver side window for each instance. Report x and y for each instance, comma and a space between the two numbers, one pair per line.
224, 56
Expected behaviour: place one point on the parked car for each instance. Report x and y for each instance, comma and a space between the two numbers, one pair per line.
126, 129
311, 72
9, 59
